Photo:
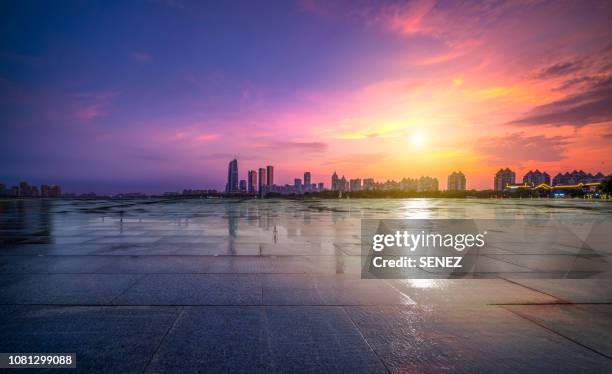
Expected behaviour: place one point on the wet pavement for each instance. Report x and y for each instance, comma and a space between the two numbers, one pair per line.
275, 286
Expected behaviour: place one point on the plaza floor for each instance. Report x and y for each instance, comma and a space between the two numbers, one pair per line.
275, 287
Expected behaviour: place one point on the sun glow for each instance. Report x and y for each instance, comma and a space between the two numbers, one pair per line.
417, 140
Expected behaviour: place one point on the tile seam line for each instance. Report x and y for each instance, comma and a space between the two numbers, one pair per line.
130, 286
364, 338
536, 290
161, 341
557, 333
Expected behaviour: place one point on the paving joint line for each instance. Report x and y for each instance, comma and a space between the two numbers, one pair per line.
558, 333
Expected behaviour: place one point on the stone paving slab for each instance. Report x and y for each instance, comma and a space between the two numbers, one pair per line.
194, 289
156, 264
76, 289
105, 339
124, 239
462, 292
558, 263
572, 290
484, 339
265, 339
302, 249
139, 264
329, 290
587, 324
50, 249
53, 264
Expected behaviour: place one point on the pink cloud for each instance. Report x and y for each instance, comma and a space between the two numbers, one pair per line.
90, 105
407, 19
207, 137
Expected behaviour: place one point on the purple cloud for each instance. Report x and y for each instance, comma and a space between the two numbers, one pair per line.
588, 107
517, 147
560, 69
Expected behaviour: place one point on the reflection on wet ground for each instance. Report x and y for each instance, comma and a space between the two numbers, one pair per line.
274, 285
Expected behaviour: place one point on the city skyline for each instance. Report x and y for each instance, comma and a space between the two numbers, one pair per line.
421, 87
456, 181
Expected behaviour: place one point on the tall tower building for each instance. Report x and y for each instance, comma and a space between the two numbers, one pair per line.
503, 178
335, 182
252, 181
307, 181
270, 172
232, 177
343, 184
456, 182
261, 186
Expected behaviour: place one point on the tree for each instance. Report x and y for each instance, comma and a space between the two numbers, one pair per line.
606, 185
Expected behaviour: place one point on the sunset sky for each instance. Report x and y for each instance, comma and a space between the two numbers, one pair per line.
159, 96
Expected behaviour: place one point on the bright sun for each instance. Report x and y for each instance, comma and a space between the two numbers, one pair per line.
417, 140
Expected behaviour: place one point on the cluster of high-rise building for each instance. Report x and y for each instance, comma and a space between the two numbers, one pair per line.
505, 179
252, 184
422, 184
262, 182
26, 190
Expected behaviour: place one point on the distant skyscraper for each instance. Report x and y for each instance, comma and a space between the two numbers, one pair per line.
335, 182
261, 186
368, 184
343, 184
321, 186
339, 184
355, 184
232, 177
243, 185
456, 182
503, 178
297, 184
270, 175
252, 181
307, 181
